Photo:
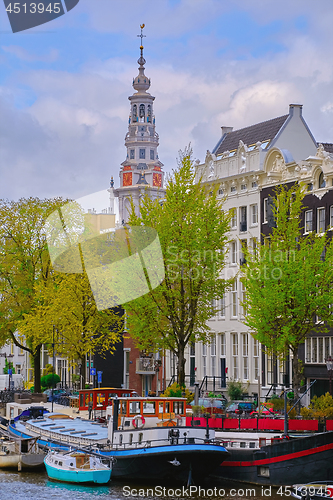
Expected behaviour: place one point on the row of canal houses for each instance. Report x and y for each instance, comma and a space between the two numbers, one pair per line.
246, 165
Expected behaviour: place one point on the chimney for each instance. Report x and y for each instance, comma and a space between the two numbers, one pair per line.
226, 130
295, 109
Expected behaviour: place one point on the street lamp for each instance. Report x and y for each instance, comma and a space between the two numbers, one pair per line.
329, 365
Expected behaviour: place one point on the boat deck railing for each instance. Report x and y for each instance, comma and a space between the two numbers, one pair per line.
174, 441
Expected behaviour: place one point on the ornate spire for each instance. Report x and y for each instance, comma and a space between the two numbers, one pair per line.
141, 83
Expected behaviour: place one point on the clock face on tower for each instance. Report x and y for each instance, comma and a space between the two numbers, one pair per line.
127, 179
157, 180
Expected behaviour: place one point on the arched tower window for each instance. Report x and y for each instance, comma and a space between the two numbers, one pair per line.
321, 181
149, 113
135, 112
142, 111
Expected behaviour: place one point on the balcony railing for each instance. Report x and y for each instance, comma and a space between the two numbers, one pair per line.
145, 366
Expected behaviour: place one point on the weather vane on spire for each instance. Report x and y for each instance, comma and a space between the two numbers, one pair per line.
141, 36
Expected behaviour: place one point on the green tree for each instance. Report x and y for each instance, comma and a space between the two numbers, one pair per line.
288, 282
192, 228
65, 314
24, 260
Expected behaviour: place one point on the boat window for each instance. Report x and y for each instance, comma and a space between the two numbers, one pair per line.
140, 437
134, 407
160, 407
178, 407
167, 407
131, 438
149, 407
56, 462
123, 407
60, 463
71, 464
120, 439
100, 398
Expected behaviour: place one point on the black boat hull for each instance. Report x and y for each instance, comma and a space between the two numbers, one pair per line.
181, 464
295, 460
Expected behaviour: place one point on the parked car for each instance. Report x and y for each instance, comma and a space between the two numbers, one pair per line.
211, 405
240, 407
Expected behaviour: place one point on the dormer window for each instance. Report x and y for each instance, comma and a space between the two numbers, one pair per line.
321, 181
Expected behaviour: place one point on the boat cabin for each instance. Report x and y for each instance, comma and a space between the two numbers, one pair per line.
100, 398
136, 412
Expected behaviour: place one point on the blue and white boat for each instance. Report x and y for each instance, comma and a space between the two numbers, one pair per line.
77, 467
147, 437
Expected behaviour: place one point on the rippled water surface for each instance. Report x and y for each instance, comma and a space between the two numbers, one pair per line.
37, 486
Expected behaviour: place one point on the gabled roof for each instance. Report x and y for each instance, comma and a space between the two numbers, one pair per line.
263, 131
327, 146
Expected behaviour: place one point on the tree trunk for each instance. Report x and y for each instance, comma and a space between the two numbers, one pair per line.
36, 356
82, 366
296, 373
181, 366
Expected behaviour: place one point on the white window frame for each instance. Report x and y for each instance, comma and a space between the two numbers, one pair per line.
245, 354
331, 217
233, 252
233, 221
308, 224
234, 352
256, 352
234, 300
222, 307
265, 209
223, 345
320, 220
254, 214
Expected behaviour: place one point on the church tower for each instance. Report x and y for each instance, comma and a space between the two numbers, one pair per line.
141, 173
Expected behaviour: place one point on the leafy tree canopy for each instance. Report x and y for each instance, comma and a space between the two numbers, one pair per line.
192, 228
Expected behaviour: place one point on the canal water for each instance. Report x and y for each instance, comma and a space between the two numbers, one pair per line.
37, 486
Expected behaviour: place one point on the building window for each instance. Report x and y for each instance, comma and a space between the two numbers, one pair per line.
233, 189
243, 219
220, 191
132, 154
234, 300
243, 187
321, 220
308, 221
265, 209
245, 353
254, 214
222, 306
233, 253
253, 245
149, 113
135, 113
314, 351
321, 181
254, 184
256, 358
152, 156
242, 259
331, 217
126, 369
223, 344
18, 369
233, 221
213, 355
204, 359
234, 356
243, 299
142, 154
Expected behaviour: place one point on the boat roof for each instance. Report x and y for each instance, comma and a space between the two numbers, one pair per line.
71, 427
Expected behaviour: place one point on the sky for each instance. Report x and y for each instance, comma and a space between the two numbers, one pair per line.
64, 85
